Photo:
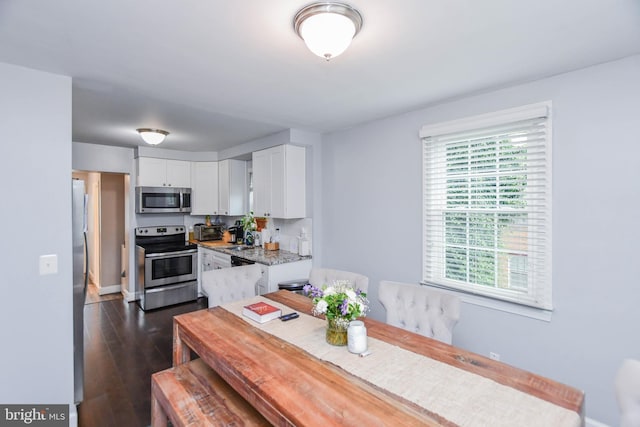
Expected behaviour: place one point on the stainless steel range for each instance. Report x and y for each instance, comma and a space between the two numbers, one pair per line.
167, 266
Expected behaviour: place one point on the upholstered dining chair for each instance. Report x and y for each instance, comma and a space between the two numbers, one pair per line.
231, 284
419, 309
326, 276
628, 393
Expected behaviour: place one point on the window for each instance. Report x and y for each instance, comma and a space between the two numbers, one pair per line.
487, 205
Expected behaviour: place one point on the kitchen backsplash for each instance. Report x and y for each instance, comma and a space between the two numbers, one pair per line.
290, 229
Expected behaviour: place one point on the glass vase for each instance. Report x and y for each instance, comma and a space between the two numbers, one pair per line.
337, 331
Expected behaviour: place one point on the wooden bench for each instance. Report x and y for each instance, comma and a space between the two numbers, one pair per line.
193, 394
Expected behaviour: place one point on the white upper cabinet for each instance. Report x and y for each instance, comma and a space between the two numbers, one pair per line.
279, 182
204, 188
261, 183
219, 188
232, 185
179, 173
154, 172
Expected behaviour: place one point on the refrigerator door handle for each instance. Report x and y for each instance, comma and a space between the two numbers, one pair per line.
86, 261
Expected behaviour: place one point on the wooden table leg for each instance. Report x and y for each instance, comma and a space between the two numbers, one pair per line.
181, 352
158, 417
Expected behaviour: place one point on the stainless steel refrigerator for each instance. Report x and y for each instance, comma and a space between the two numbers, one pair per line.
80, 280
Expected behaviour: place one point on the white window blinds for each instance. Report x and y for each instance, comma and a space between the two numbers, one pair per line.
487, 205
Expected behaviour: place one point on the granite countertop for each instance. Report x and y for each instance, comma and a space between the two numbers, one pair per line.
253, 253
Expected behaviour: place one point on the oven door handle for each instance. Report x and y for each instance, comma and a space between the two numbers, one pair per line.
170, 254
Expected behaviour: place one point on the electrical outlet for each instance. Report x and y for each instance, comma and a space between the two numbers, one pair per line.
48, 264
494, 356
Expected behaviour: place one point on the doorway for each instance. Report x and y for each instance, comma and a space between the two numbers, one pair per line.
106, 233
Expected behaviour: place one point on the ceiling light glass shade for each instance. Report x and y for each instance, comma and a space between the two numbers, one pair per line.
152, 136
327, 28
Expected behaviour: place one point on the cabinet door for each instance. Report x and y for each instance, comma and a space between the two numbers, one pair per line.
294, 181
262, 285
232, 195
298, 270
152, 172
207, 260
204, 188
277, 181
238, 187
178, 173
221, 260
261, 183
223, 188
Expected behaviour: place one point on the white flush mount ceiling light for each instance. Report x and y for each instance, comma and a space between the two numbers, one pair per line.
152, 136
327, 28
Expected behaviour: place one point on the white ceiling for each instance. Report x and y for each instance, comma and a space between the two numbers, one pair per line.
216, 73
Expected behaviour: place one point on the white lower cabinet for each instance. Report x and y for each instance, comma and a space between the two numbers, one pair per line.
274, 274
210, 259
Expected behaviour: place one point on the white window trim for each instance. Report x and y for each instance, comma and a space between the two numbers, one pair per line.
490, 119
494, 304
479, 122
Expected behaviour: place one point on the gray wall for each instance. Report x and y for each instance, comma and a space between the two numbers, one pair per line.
35, 311
371, 192
102, 158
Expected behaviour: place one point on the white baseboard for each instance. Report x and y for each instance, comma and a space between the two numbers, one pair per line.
113, 289
588, 422
129, 296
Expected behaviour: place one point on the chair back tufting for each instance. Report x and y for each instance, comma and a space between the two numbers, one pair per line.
325, 276
419, 309
231, 284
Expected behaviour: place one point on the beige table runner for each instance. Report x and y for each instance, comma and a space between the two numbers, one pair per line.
459, 396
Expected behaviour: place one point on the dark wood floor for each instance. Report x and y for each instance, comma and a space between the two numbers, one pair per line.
123, 347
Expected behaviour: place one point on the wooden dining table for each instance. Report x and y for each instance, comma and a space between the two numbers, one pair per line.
320, 385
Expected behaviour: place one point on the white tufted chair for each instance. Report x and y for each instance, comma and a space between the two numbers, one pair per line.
419, 309
628, 393
325, 276
230, 284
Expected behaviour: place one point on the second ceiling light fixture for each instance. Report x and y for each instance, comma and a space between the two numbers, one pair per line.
152, 136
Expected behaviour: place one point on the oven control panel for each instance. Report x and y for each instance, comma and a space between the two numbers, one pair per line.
165, 230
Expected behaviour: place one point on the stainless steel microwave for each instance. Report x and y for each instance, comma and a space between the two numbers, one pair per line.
163, 200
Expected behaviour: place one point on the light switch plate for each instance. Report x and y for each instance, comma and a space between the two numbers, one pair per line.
48, 264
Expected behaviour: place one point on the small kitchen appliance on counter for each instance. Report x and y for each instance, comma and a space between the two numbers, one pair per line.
208, 232
237, 234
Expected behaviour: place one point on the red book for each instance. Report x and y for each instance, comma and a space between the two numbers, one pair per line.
261, 312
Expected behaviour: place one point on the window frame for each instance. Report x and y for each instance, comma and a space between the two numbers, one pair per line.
540, 304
